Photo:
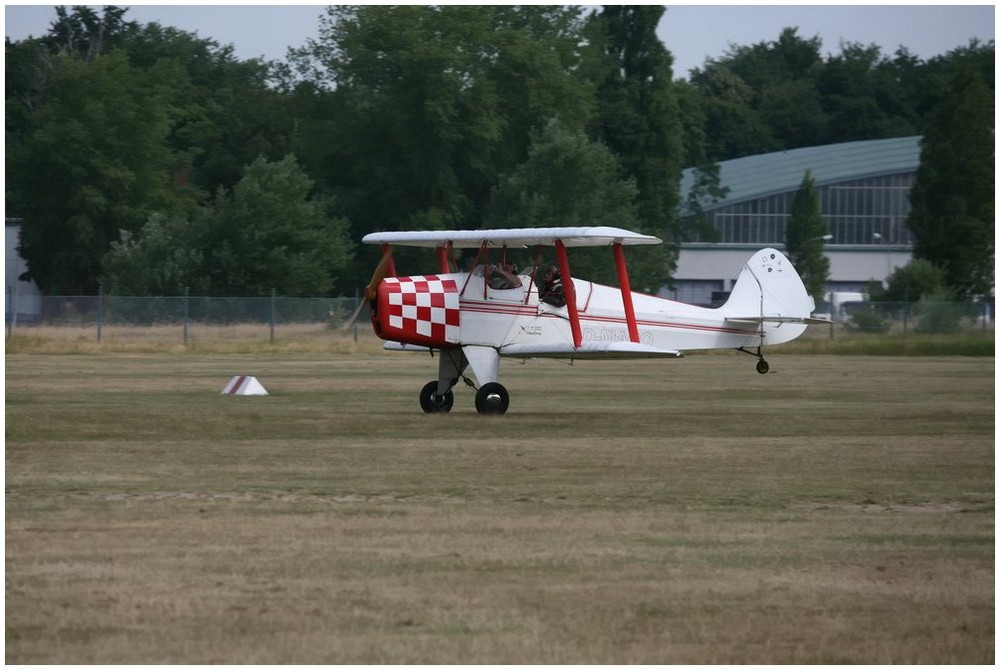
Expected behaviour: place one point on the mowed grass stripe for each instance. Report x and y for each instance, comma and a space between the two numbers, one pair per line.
839, 510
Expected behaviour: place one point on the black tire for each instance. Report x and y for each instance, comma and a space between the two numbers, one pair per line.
492, 398
762, 366
431, 402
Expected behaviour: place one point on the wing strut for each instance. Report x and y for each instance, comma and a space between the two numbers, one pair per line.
534, 271
570, 292
443, 255
385, 268
481, 254
387, 252
626, 289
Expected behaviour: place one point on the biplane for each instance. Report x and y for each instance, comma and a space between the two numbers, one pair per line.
474, 318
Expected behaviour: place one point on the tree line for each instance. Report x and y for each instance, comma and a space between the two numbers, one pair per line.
149, 160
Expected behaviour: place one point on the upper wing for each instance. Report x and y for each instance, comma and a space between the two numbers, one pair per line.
595, 236
593, 350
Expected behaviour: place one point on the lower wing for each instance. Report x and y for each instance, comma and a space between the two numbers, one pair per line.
591, 351
598, 351
808, 320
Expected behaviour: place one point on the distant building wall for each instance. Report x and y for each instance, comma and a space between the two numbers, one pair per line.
864, 190
20, 297
704, 269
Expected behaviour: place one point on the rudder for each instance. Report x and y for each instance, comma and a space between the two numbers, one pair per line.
770, 291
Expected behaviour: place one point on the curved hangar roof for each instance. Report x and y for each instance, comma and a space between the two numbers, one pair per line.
759, 176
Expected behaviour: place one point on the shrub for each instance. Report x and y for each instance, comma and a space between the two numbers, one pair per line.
868, 321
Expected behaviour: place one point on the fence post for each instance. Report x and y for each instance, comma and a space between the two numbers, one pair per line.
273, 296
357, 302
100, 311
13, 300
11, 311
187, 298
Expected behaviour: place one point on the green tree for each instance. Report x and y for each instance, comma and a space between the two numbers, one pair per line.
733, 126
704, 190
110, 122
638, 118
432, 103
273, 234
763, 97
83, 33
931, 83
706, 187
224, 112
412, 101
80, 34
90, 161
804, 236
916, 280
953, 212
165, 257
27, 66
269, 232
569, 180
866, 95
539, 72
691, 115
897, 91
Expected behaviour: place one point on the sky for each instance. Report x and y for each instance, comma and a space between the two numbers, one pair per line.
691, 32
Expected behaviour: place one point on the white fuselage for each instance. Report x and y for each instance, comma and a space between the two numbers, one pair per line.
497, 318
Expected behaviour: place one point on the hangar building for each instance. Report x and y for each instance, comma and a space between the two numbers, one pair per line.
864, 191
22, 299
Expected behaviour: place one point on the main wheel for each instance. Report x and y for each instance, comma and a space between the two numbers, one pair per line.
762, 366
492, 398
431, 402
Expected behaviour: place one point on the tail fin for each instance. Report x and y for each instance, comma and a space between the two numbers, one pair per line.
770, 292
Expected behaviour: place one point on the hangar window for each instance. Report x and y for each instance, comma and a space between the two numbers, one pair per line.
854, 211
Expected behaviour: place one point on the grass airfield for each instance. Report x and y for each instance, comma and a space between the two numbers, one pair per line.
837, 510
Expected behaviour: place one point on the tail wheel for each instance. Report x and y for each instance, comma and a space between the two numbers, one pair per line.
431, 402
762, 366
492, 398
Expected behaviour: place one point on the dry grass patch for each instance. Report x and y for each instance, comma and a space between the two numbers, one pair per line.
837, 511
250, 338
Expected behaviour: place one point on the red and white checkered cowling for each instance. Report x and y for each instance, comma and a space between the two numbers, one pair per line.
418, 310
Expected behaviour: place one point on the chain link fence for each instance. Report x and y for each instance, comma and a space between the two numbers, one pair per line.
270, 317
185, 315
920, 318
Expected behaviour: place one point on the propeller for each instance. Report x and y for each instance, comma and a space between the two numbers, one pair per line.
371, 291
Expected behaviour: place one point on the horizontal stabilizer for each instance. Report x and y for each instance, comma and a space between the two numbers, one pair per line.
590, 351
